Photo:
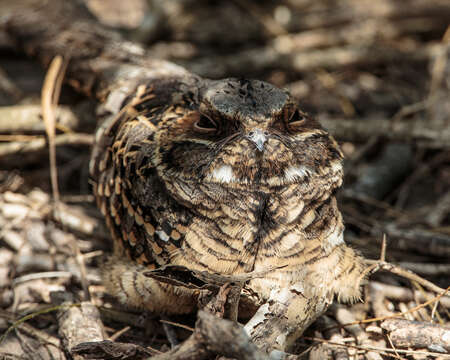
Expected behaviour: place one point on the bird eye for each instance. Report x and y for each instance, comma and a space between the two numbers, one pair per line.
296, 119
205, 125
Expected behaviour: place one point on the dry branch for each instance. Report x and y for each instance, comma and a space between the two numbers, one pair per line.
27, 118
274, 326
78, 325
341, 14
332, 333
418, 335
100, 61
269, 58
419, 131
344, 316
384, 350
429, 269
421, 240
108, 350
214, 336
40, 143
51, 343
404, 294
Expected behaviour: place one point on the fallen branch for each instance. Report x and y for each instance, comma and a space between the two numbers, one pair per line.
419, 131
41, 143
345, 316
267, 58
101, 63
27, 118
108, 350
418, 335
381, 350
213, 336
78, 325
404, 294
428, 269
377, 265
332, 333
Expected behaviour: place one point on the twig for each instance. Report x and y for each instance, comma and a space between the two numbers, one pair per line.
40, 143
268, 22
79, 324
19, 119
394, 269
383, 249
42, 275
79, 258
43, 336
182, 326
29, 317
418, 173
344, 315
429, 269
119, 333
50, 94
393, 347
169, 330
436, 298
17, 137
379, 349
9, 87
418, 130
418, 334
334, 334
404, 294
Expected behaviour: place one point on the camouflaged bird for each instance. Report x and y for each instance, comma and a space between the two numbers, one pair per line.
229, 177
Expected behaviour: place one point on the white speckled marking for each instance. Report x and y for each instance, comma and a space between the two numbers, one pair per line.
298, 287
336, 166
223, 174
296, 173
336, 239
162, 235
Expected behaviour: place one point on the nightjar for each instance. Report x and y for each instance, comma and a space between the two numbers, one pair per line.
226, 176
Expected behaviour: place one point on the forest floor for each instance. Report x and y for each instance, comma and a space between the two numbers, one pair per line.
375, 73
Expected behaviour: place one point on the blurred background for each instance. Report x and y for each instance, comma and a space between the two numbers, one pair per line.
375, 73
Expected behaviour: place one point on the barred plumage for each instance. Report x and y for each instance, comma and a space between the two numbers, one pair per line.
227, 176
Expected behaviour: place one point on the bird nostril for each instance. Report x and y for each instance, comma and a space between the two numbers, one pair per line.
266, 133
251, 133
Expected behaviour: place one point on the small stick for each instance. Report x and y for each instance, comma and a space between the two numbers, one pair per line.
383, 249
379, 349
50, 90
377, 265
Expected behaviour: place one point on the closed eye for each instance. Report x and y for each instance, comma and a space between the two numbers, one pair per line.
205, 125
296, 119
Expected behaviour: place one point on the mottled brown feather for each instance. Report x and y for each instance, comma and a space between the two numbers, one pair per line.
226, 176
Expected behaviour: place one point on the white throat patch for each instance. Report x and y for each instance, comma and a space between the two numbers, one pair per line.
224, 174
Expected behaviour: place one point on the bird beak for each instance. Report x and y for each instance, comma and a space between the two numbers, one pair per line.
258, 137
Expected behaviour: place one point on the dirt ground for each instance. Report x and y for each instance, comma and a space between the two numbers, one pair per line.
375, 73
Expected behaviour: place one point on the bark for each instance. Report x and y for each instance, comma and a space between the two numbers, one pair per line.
214, 336
418, 335
78, 325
